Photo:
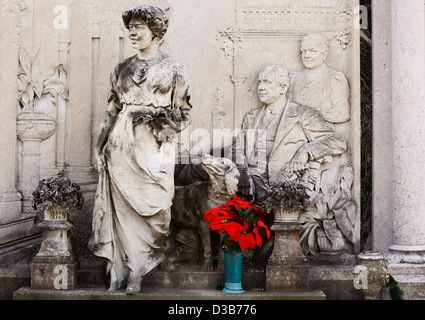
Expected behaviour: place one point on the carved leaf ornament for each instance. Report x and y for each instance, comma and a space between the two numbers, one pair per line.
332, 211
35, 81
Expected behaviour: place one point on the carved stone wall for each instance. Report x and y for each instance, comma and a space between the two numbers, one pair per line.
65, 51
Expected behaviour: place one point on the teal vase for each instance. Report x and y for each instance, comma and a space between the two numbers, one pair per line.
232, 272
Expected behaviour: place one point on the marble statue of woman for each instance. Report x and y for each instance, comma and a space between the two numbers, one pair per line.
148, 103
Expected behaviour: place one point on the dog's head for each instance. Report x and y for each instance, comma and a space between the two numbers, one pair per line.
223, 174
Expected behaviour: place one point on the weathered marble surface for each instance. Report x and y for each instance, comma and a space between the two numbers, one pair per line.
148, 104
223, 56
281, 142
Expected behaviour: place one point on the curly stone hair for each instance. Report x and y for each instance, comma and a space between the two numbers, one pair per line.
155, 18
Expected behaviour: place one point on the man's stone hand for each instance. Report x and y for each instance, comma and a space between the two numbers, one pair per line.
298, 163
244, 184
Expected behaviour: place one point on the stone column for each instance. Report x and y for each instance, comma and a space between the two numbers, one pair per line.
32, 129
79, 115
382, 126
408, 114
109, 56
10, 205
64, 40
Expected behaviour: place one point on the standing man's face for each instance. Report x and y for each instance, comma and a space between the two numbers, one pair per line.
269, 89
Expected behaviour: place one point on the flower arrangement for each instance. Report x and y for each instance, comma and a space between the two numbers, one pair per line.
288, 196
239, 223
57, 193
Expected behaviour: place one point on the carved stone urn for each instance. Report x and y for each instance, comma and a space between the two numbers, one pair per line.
56, 241
285, 215
54, 266
373, 274
334, 246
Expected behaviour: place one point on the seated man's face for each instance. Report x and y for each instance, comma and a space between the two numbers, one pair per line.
312, 55
269, 89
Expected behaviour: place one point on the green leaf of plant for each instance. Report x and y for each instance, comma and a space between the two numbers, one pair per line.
250, 219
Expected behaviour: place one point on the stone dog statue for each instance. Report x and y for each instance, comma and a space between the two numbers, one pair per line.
191, 201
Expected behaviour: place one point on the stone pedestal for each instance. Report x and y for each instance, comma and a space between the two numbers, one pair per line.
287, 249
55, 265
54, 276
287, 268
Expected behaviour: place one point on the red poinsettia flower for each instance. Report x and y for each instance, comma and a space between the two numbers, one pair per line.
261, 224
239, 220
219, 221
234, 229
245, 239
218, 225
238, 203
258, 239
213, 213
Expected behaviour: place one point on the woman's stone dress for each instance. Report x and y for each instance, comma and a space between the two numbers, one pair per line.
135, 192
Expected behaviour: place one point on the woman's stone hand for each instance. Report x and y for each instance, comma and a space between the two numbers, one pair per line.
101, 161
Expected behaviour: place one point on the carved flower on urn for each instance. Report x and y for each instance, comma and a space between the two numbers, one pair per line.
286, 201
57, 192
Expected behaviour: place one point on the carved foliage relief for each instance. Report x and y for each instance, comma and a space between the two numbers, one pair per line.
35, 81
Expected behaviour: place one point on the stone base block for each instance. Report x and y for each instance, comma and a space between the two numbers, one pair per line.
283, 277
51, 276
407, 254
193, 277
165, 294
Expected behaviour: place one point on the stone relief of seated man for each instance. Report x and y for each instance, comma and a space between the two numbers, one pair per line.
281, 138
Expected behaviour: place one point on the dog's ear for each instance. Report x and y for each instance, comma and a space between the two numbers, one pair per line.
231, 179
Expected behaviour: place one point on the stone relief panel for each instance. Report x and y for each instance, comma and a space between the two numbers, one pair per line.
332, 215
230, 51
39, 90
316, 42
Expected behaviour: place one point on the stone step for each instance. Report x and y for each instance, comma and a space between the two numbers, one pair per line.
194, 278
164, 294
